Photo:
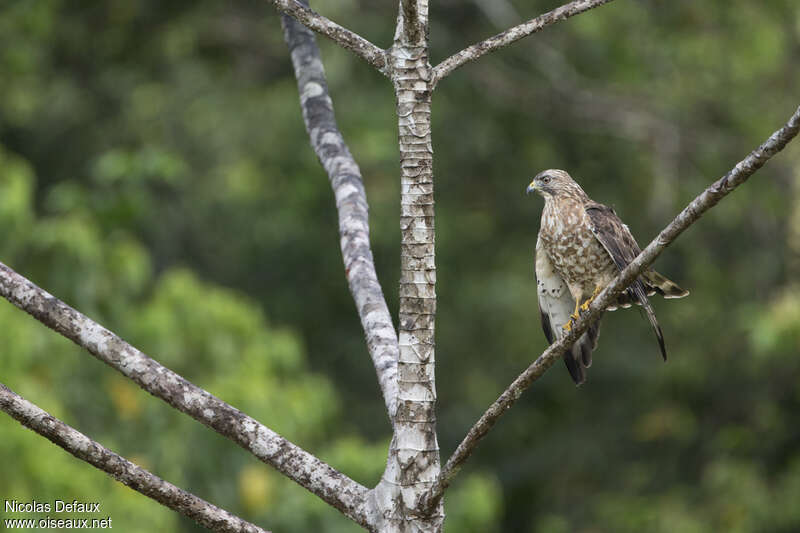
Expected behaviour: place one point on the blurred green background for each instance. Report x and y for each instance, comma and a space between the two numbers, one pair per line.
155, 174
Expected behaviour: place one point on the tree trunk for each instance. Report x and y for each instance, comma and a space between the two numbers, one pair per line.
413, 464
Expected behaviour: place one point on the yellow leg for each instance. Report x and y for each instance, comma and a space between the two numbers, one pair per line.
588, 302
580, 307
572, 317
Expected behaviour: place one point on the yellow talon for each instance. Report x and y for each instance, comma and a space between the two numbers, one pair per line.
572, 318
585, 305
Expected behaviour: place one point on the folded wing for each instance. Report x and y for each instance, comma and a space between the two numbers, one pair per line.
617, 240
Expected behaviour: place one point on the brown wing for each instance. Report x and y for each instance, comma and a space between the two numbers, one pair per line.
617, 240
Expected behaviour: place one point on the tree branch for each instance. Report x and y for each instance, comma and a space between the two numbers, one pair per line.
512, 35
351, 203
690, 214
292, 461
345, 38
134, 476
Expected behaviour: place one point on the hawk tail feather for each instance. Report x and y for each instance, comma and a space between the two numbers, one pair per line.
576, 370
579, 357
654, 283
640, 296
662, 285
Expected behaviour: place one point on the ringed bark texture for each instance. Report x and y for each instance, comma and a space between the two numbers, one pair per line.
413, 464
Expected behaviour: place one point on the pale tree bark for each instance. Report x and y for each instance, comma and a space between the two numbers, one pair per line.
351, 203
134, 476
409, 497
341, 36
413, 464
292, 461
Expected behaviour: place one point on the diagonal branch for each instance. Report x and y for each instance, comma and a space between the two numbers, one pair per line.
690, 214
134, 476
512, 35
351, 203
292, 461
345, 38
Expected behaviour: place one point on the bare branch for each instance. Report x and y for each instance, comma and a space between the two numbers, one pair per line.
690, 214
292, 461
134, 476
345, 38
512, 35
351, 203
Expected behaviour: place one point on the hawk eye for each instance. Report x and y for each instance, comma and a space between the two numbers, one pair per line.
546, 180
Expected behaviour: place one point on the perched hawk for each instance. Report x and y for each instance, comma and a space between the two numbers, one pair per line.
582, 246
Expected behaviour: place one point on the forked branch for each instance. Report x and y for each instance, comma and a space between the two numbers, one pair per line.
690, 214
289, 459
134, 476
351, 203
345, 38
512, 35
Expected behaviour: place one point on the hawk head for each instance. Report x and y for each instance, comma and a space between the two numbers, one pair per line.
554, 182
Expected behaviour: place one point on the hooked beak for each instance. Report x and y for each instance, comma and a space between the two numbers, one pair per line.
531, 188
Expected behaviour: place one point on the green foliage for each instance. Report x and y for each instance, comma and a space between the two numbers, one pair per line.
473, 504
156, 175
216, 337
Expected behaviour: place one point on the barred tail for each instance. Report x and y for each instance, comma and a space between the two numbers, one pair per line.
665, 287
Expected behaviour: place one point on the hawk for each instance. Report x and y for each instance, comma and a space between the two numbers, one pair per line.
582, 246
